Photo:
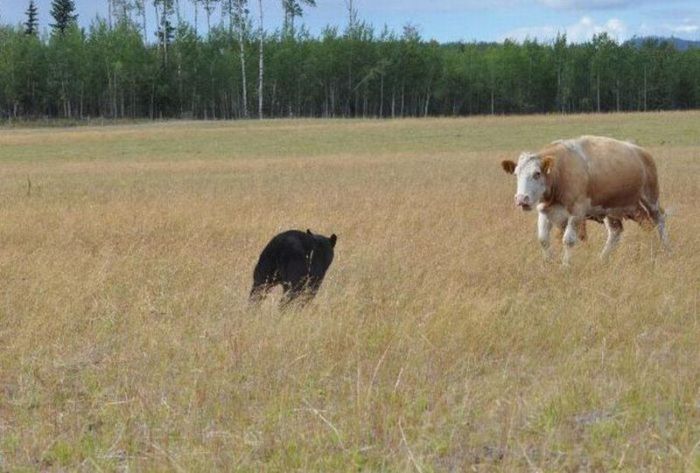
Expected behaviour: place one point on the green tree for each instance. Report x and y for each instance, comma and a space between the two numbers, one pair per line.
140, 7
239, 21
115, 76
165, 32
121, 10
560, 50
209, 7
261, 60
31, 26
67, 66
112, 71
293, 9
63, 13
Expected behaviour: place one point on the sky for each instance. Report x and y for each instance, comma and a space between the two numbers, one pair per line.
456, 20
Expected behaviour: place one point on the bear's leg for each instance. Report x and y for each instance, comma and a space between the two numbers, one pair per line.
314, 285
258, 292
264, 278
295, 280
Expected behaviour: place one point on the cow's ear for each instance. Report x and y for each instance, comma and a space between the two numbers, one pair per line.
547, 164
308, 232
333, 239
508, 166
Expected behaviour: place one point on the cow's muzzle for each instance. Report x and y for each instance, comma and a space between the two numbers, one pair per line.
523, 201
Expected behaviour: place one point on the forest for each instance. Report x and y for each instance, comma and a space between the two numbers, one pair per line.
235, 66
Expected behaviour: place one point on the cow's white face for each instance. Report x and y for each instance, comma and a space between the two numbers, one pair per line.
531, 172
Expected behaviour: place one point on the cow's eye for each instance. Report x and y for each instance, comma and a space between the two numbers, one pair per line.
537, 175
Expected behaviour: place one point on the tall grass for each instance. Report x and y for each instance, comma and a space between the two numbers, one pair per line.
439, 341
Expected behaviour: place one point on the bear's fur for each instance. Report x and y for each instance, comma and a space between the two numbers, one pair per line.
297, 260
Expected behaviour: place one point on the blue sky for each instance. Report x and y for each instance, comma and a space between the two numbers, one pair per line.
453, 20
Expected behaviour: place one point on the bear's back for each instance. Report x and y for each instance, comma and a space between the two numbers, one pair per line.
288, 245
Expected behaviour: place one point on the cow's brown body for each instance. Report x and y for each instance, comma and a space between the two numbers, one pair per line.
602, 177
594, 178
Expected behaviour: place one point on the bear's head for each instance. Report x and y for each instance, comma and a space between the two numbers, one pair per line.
320, 239
322, 253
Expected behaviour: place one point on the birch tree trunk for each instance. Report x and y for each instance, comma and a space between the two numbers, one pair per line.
142, 8
645, 88
207, 8
196, 15
381, 97
241, 53
261, 64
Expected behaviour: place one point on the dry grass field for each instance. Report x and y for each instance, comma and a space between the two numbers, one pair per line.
440, 341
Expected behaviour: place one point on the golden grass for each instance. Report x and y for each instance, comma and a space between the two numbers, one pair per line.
439, 341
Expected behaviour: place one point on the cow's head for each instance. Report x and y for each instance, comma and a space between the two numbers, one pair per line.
532, 172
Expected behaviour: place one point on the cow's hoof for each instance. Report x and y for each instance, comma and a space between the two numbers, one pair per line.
569, 239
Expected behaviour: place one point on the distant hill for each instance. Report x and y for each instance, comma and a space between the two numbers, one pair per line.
678, 43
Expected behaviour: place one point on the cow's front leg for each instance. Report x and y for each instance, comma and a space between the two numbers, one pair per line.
570, 238
544, 228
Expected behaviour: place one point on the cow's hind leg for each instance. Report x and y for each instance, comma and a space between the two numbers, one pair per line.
663, 232
658, 217
614, 226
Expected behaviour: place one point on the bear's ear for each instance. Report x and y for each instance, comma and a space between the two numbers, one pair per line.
508, 166
333, 239
308, 232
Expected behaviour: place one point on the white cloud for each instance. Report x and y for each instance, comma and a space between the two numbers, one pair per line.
686, 28
581, 31
588, 5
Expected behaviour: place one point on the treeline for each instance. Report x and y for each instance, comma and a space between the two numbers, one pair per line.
110, 70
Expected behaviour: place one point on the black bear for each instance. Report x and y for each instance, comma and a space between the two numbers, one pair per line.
296, 260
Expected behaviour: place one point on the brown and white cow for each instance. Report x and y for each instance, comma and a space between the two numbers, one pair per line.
591, 177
